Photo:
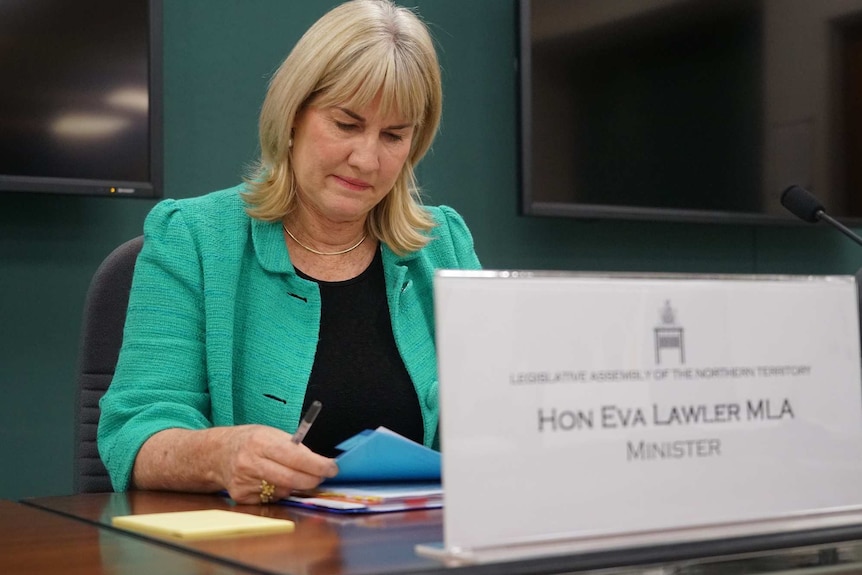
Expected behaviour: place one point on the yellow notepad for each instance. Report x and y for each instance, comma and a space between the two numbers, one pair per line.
202, 524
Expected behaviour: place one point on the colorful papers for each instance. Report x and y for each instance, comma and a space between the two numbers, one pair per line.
379, 471
371, 498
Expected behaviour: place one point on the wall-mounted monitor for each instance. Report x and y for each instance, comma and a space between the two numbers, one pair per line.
81, 97
689, 110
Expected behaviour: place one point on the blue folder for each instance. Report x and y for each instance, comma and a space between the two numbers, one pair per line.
383, 455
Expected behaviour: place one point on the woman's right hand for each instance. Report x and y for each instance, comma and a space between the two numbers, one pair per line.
252, 454
238, 458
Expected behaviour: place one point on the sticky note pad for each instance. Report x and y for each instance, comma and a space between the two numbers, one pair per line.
202, 524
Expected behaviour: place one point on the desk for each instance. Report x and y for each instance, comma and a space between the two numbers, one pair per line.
35, 542
327, 544
322, 543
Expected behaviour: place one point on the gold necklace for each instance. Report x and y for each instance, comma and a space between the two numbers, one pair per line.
314, 251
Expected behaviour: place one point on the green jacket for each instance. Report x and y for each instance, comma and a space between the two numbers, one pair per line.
218, 317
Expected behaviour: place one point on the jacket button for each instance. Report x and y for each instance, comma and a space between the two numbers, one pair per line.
431, 398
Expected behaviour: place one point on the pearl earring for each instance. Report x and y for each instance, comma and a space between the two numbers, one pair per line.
290, 143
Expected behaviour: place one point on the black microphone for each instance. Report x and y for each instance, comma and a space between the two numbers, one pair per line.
802, 204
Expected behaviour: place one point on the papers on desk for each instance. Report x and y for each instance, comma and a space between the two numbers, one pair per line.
379, 471
371, 497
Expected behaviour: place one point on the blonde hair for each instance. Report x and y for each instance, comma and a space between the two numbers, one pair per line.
355, 51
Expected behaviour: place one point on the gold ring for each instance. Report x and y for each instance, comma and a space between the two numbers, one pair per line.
267, 491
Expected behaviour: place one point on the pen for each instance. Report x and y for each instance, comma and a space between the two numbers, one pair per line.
306, 421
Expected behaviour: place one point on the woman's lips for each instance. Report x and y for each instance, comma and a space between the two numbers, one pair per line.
353, 184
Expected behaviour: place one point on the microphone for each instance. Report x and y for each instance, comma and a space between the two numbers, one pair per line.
802, 204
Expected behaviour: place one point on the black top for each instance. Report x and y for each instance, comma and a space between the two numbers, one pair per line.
358, 374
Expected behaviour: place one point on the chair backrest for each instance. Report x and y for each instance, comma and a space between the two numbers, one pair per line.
101, 338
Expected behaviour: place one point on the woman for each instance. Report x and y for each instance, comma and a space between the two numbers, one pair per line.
312, 281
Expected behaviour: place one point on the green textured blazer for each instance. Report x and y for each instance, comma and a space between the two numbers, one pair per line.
218, 317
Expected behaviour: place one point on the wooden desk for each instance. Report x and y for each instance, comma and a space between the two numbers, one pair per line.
327, 544
36, 542
322, 543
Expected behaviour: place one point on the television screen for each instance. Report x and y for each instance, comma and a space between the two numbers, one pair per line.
80, 106
698, 110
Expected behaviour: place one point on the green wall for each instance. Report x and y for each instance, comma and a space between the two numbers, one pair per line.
217, 56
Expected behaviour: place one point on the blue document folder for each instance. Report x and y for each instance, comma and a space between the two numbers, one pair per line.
379, 471
383, 455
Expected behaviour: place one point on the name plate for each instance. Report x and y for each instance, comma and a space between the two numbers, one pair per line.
578, 408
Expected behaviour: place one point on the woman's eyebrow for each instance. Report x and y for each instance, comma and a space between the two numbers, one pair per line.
359, 118
351, 113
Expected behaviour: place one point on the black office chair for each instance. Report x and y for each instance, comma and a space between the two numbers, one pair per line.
101, 338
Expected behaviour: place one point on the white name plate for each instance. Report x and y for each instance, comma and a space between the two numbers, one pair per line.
577, 408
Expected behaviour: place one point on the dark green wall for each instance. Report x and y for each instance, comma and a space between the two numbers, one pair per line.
218, 55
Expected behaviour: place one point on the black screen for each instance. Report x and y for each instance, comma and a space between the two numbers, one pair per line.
80, 106
701, 110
